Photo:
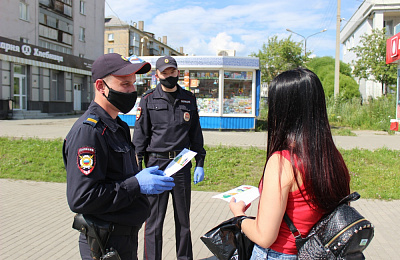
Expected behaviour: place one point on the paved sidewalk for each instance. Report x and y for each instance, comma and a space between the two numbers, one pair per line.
36, 222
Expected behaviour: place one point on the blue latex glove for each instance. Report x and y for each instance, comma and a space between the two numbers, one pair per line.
198, 175
152, 181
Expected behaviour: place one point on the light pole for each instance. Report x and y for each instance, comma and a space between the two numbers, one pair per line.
305, 38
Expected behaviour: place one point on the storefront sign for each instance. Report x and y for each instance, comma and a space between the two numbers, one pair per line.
392, 49
32, 52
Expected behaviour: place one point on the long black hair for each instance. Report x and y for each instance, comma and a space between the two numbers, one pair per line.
298, 122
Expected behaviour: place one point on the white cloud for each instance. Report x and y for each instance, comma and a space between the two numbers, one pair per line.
223, 41
204, 27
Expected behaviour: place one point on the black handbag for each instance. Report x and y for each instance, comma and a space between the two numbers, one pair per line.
342, 234
227, 241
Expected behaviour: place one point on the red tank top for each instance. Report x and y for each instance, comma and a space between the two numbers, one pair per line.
302, 215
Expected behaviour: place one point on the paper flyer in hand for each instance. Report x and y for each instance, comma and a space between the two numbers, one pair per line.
179, 161
246, 193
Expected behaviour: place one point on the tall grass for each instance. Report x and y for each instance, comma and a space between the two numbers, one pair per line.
372, 115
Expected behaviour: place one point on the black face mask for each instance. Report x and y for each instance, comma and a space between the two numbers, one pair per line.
122, 101
169, 82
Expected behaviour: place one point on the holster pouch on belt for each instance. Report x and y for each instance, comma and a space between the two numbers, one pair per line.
97, 233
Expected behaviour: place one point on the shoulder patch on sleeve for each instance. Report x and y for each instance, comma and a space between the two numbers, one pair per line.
92, 120
86, 159
148, 92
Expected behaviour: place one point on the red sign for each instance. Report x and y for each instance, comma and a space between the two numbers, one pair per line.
392, 49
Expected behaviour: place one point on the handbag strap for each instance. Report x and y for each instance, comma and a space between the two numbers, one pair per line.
296, 233
351, 197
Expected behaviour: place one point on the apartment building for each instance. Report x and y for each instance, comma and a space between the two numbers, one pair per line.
131, 39
371, 14
47, 48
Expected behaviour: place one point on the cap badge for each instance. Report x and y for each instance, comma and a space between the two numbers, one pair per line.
166, 61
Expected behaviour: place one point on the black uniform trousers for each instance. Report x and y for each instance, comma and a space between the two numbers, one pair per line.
181, 195
126, 246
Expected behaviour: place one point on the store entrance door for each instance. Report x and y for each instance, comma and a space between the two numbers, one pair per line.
20, 100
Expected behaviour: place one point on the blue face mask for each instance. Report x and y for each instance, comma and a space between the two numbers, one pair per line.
124, 102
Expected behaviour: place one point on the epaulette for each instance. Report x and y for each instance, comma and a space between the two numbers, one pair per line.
148, 92
91, 120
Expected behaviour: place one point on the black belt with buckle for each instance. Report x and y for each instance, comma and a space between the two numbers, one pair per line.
165, 155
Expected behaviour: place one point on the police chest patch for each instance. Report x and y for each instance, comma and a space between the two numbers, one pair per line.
138, 113
185, 101
186, 116
86, 159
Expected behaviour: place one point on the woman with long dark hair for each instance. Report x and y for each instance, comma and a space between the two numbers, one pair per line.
304, 174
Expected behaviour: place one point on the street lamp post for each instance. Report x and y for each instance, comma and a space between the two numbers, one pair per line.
305, 38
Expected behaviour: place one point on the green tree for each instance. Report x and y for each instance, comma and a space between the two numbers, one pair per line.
371, 60
277, 56
324, 67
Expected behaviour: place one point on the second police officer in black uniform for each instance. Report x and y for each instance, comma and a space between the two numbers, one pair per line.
103, 180
167, 121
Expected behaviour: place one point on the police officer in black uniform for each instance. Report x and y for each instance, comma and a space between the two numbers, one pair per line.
103, 180
167, 121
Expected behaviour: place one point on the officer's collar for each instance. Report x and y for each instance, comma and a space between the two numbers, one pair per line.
159, 93
111, 123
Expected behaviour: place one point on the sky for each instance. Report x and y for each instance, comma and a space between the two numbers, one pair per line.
204, 27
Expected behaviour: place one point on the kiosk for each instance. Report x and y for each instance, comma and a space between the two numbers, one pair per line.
227, 89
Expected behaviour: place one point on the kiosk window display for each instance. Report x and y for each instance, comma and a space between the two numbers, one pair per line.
227, 89
205, 85
238, 86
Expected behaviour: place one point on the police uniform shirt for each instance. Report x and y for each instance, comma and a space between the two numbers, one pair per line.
163, 126
99, 158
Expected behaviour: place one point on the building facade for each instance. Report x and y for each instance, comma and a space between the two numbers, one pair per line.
371, 14
47, 48
131, 39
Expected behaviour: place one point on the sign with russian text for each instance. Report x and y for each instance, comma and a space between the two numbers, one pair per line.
33, 52
392, 49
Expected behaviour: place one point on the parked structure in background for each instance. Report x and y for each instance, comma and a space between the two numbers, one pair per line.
47, 48
132, 39
371, 14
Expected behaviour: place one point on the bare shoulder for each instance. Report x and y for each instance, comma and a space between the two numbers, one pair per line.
279, 166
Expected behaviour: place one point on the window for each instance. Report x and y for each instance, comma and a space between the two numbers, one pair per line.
66, 38
81, 34
24, 40
110, 50
23, 11
82, 7
57, 86
110, 37
68, 10
238, 92
205, 84
389, 27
